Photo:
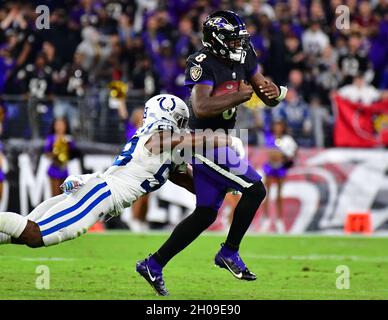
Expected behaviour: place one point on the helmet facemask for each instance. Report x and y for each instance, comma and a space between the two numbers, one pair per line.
225, 39
237, 47
181, 121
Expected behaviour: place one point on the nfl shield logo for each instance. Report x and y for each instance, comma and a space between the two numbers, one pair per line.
195, 72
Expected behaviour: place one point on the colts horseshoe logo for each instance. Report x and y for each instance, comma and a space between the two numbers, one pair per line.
162, 99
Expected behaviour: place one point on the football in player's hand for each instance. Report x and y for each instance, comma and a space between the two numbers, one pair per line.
225, 88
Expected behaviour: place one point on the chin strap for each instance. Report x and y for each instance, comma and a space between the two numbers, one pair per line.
283, 93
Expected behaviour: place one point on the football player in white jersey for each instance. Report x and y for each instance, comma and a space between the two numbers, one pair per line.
145, 163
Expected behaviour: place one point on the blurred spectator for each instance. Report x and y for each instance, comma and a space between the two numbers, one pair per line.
314, 40
59, 147
124, 28
296, 114
145, 79
106, 25
253, 120
378, 51
35, 80
52, 58
258, 41
134, 53
322, 123
15, 23
277, 52
186, 41
294, 56
317, 12
85, 13
7, 64
167, 63
326, 75
117, 98
302, 86
381, 9
260, 7
354, 61
63, 35
69, 86
143, 7
360, 91
95, 49
365, 18
298, 10
153, 38
282, 151
134, 122
178, 78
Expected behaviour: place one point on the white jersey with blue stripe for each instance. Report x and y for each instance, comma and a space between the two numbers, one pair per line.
137, 171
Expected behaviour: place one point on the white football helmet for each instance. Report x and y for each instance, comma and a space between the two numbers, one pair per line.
166, 107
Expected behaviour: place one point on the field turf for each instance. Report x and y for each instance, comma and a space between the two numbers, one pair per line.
102, 266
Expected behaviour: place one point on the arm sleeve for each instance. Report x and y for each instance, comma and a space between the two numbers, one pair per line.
198, 73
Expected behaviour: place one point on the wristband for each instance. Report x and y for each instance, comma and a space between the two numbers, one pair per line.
283, 93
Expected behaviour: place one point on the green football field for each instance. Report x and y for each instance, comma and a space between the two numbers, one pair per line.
102, 266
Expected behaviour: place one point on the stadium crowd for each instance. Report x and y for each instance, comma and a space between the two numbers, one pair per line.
144, 44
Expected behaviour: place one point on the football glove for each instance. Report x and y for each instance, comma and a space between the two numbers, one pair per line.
72, 184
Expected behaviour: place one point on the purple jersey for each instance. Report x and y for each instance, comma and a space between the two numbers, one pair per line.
203, 67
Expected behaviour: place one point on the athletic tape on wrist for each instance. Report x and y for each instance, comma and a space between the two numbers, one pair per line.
283, 93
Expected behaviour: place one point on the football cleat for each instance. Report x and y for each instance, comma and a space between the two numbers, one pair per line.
154, 278
234, 265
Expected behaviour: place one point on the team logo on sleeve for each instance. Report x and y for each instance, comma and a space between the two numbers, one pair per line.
196, 72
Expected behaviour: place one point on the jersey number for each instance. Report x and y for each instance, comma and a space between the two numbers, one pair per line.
200, 57
149, 185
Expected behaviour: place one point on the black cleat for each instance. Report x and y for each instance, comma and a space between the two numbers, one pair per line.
235, 266
155, 279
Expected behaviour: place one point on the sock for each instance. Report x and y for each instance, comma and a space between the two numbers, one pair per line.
155, 266
227, 251
185, 233
12, 224
4, 238
244, 214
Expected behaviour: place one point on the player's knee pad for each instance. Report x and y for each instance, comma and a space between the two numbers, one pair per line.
206, 215
256, 192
